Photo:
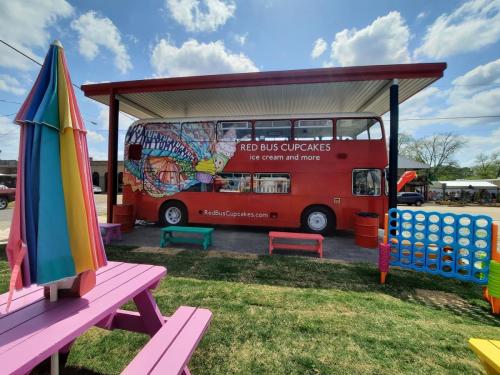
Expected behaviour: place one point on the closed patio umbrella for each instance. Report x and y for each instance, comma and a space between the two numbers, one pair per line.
54, 232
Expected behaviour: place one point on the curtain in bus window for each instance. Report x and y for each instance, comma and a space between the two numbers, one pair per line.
234, 131
313, 130
366, 181
359, 129
273, 130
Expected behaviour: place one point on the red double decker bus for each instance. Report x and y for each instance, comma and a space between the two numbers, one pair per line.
311, 171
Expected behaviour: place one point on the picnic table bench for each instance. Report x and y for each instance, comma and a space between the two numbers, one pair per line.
316, 246
488, 352
110, 231
36, 328
167, 235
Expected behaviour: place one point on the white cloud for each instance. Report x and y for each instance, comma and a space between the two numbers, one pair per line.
93, 136
95, 32
481, 75
473, 25
478, 144
241, 39
11, 85
26, 24
421, 15
9, 139
191, 13
385, 41
195, 58
319, 48
103, 119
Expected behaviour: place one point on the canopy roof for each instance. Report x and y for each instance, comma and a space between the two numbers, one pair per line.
405, 163
326, 90
468, 183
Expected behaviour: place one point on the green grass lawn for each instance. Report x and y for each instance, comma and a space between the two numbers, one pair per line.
298, 315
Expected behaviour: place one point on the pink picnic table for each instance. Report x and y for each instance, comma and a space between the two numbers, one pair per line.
35, 328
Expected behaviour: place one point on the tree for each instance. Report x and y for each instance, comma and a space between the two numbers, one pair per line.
405, 141
437, 151
487, 166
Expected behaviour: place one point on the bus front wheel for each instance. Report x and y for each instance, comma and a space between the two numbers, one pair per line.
318, 219
173, 213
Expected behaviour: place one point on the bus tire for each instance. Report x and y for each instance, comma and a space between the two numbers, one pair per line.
318, 219
173, 213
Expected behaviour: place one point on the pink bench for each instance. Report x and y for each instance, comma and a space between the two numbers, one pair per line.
316, 239
170, 349
110, 231
36, 328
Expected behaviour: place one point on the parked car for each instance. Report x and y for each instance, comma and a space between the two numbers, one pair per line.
96, 189
6, 195
411, 199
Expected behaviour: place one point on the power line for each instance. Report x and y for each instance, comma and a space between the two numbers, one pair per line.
9, 101
11, 114
40, 64
22, 53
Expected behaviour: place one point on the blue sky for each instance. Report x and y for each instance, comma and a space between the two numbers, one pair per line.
121, 40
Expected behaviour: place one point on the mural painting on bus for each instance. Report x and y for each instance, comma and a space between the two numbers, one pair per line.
171, 163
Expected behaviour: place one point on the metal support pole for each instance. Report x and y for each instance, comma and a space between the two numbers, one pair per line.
393, 144
114, 108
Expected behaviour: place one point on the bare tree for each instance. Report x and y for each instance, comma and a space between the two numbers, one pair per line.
405, 143
437, 151
487, 166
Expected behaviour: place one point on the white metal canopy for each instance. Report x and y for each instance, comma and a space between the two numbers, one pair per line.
354, 89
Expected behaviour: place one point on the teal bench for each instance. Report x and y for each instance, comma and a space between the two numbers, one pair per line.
167, 236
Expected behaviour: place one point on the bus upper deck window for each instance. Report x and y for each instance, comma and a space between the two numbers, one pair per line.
273, 130
230, 131
313, 130
359, 129
366, 182
198, 131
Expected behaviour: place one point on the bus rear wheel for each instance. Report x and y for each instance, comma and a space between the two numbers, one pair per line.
173, 213
318, 219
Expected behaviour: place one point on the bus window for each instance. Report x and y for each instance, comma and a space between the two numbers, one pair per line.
359, 129
198, 131
232, 183
273, 130
313, 130
366, 181
271, 183
234, 131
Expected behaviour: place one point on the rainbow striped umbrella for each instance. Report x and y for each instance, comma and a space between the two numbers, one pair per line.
54, 233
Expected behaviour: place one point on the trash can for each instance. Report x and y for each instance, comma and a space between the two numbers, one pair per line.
124, 214
366, 229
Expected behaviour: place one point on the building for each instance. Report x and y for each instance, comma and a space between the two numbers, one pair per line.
466, 190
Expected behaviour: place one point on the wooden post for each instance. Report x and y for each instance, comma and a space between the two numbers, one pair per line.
112, 191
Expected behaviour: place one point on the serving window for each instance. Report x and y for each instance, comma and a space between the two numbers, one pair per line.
232, 183
271, 183
358, 129
230, 131
273, 130
313, 130
366, 182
